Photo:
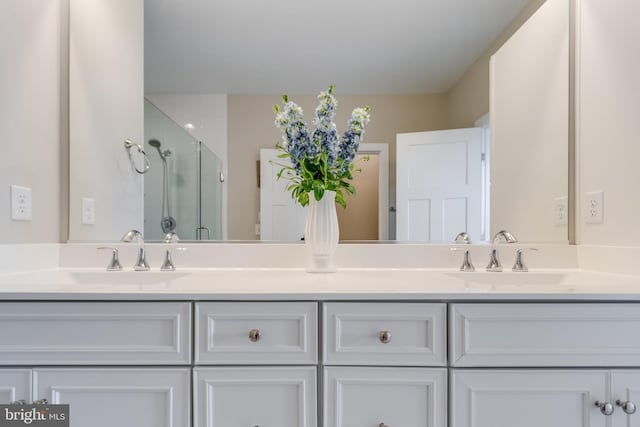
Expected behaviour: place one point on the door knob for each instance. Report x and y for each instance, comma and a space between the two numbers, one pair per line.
628, 407
385, 337
605, 407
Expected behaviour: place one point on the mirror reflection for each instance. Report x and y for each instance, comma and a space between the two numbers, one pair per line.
441, 164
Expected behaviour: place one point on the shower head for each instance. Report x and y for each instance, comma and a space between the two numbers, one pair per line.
155, 143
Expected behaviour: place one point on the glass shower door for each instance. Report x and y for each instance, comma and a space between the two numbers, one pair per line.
179, 199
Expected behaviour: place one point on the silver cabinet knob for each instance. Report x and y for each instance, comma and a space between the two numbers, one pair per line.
254, 335
382, 425
628, 407
605, 407
385, 337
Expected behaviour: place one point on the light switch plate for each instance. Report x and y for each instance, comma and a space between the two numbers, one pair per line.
88, 211
594, 207
21, 203
561, 210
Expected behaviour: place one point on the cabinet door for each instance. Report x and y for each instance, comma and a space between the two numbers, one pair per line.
15, 384
118, 397
625, 387
393, 397
261, 397
527, 398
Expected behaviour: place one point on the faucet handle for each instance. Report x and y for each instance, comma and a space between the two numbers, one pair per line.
494, 266
114, 264
467, 265
141, 262
167, 264
519, 265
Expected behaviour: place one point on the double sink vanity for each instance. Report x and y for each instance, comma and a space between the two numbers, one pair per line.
415, 344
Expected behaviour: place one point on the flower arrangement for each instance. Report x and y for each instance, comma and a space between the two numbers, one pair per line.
320, 160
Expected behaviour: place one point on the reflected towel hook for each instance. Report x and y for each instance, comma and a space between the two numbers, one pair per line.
128, 144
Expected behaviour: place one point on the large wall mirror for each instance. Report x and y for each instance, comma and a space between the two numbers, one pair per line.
469, 101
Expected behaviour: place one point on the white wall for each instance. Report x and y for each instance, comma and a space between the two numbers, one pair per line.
608, 90
30, 115
208, 114
105, 108
530, 126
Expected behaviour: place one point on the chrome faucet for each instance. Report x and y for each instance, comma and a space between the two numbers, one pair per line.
466, 265
494, 260
141, 262
463, 237
519, 265
167, 265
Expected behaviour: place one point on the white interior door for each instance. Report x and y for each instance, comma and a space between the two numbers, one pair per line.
281, 217
439, 184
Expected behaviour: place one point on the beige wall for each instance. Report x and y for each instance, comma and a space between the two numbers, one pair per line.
608, 109
530, 127
251, 127
105, 108
468, 99
31, 117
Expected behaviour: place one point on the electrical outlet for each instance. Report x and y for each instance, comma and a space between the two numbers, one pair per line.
88, 211
561, 210
21, 203
594, 207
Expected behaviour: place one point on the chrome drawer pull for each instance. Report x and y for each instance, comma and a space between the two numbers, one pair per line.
628, 407
254, 335
385, 337
605, 407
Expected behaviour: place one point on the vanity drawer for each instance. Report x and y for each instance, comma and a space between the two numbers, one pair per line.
94, 333
544, 335
256, 333
398, 334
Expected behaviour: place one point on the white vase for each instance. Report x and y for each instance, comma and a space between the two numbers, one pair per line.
321, 233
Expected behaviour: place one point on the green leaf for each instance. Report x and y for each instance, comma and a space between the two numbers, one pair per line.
303, 198
340, 199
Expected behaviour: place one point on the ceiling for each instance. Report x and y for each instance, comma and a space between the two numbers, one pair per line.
302, 46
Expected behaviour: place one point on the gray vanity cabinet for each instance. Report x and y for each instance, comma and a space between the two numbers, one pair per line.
15, 384
115, 363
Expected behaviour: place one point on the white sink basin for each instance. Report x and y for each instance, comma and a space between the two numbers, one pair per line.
511, 278
126, 277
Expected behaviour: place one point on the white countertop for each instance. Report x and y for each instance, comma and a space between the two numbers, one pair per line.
296, 284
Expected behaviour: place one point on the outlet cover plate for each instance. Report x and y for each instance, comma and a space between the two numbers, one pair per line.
594, 207
21, 203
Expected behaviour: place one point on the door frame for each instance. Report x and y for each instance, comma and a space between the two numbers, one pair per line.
382, 150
